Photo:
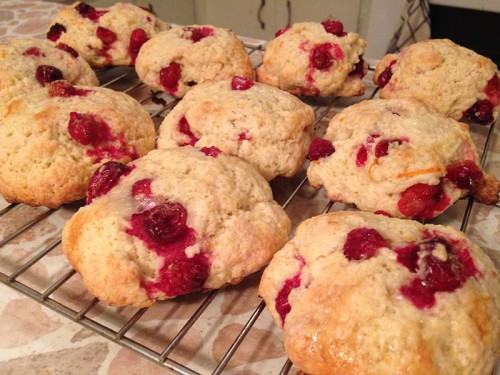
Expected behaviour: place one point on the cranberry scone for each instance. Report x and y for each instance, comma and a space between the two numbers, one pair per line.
315, 59
398, 157
359, 293
177, 59
265, 126
28, 64
105, 36
54, 138
173, 222
450, 79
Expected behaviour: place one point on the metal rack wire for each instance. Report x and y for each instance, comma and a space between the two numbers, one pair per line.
124, 79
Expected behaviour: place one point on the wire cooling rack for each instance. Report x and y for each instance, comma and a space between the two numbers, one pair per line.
56, 290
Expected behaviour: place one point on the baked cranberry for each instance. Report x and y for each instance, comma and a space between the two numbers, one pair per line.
64, 90
464, 174
422, 201
363, 243
382, 148
383, 213
408, 256
211, 151
195, 34
334, 27
361, 156
166, 222
137, 38
244, 137
170, 76
282, 305
320, 148
359, 68
384, 77
185, 129
66, 48
33, 51
88, 129
481, 112
47, 73
55, 32
87, 11
107, 36
241, 83
282, 31
321, 57
493, 90
105, 178
142, 187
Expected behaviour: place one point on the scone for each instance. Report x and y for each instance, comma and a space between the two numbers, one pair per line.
398, 157
53, 139
177, 59
315, 59
450, 79
358, 293
105, 36
265, 126
173, 222
28, 64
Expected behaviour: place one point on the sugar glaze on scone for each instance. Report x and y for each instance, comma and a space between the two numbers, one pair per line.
265, 126
173, 222
53, 139
177, 59
28, 64
105, 36
359, 293
450, 79
315, 59
398, 157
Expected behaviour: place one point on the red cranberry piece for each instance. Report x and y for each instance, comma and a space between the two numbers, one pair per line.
421, 201
481, 112
198, 33
55, 32
185, 129
47, 73
137, 38
382, 148
320, 148
334, 27
361, 156
66, 48
464, 174
418, 293
106, 35
142, 187
383, 213
243, 137
241, 83
88, 129
211, 151
65, 90
87, 11
384, 77
363, 243
105, 178
443, 276
282, 305
359, 68
321, 57
170, 76
166, 222
493, 90
33, 51
282, 31
184, 276
408, 256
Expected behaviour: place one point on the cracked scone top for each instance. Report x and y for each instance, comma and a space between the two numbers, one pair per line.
105, 36
53, 139
450, 79
398, 157
173, 222
28, 64
315, 59
265, 126
359, 293
177, 59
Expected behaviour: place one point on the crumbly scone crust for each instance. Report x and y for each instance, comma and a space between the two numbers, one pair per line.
214, 58
41, 164
238, 225
348, 317
286, 63
445, 76
263, 125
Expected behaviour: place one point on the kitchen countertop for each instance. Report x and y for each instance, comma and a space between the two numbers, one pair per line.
36, 340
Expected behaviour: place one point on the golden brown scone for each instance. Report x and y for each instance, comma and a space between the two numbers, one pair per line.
450, 79
359, 293
173, 222
53, 139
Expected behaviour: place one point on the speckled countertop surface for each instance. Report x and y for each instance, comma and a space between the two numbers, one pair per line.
36, 340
